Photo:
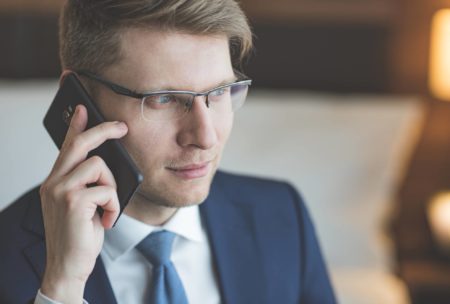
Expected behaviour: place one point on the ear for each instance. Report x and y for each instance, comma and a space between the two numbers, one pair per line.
63, 75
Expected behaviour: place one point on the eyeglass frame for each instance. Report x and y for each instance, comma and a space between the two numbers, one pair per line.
121, 90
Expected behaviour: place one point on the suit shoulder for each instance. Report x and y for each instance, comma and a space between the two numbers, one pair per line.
12, 216
256, 186
252, 181
19, 282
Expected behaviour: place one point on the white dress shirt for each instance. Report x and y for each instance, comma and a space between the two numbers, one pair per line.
130, 273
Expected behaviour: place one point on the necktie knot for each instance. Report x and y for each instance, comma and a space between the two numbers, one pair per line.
156, 247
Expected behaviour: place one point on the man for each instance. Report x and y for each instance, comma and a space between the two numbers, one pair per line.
190, 234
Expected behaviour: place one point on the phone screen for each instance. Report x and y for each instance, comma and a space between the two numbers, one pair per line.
57, 120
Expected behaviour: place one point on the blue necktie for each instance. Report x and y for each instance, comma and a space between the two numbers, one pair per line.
166, 284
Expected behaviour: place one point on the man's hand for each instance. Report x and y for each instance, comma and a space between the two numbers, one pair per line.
74, 230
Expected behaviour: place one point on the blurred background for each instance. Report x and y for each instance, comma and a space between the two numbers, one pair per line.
349, 103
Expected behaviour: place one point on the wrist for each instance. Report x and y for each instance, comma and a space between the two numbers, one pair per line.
63, 290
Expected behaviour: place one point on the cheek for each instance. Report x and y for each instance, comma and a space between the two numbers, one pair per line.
224, 126
146, 142
151, 143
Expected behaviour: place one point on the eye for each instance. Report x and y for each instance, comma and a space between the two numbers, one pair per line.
220, 94
220, 91
160, 101
164, 99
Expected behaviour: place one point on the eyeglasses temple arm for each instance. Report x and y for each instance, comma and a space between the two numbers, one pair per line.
115, 87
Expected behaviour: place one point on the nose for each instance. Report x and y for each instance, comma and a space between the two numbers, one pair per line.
198, 128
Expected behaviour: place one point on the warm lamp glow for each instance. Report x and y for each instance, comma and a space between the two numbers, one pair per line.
439, 80
439, 218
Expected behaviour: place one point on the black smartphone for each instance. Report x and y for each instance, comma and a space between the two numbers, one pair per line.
57, 120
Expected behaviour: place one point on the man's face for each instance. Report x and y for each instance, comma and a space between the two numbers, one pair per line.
178, 158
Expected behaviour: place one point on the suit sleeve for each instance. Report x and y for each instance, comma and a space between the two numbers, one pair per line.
316, 286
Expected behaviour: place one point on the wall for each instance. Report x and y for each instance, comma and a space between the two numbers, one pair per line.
343, 11
338, 46
41, 6
405, 22
408, 22
410, 44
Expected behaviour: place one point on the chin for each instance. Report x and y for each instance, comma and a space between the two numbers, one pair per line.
186, 201
178, 195
180, 200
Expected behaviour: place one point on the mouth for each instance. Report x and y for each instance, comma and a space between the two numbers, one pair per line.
192, 171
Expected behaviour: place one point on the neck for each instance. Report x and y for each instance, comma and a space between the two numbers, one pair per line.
147, 212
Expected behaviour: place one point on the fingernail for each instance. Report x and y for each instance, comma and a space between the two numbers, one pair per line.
121, 125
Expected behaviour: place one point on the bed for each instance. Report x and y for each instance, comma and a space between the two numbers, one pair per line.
346, 153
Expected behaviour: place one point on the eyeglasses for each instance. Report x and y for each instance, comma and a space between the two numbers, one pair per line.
171, 105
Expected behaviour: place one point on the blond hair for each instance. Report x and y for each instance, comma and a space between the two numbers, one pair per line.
90, 30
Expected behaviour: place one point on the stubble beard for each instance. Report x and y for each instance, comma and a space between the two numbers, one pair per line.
165, 196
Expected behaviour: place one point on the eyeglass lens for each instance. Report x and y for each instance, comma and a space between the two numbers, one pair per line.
171, 106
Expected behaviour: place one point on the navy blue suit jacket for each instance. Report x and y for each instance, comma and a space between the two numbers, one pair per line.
263, 243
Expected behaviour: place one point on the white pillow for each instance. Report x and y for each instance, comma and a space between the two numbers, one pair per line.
27, 153
345, 153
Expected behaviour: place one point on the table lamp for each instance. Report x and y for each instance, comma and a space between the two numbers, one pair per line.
439, 84
439, 219
439, 69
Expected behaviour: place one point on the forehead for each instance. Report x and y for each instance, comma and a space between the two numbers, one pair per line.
157, 59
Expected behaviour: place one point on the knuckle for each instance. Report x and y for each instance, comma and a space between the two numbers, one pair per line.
48, 191
70, 197
96, 161
72, 202
110, 126
113, 193
77, 143
110, 129
57, 191
44, 189
104, 129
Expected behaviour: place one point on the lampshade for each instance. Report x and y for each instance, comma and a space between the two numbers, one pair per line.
439, 219
439, 76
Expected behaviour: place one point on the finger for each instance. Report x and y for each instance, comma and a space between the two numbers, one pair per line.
77, 123
77, 149
92, 170
90, 198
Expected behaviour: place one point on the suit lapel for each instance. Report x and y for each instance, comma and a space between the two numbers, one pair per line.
98, 288
234, 244
33, 223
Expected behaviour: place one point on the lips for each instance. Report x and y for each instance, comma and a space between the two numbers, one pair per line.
192, 171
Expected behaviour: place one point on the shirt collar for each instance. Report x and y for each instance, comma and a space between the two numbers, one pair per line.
128, 231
